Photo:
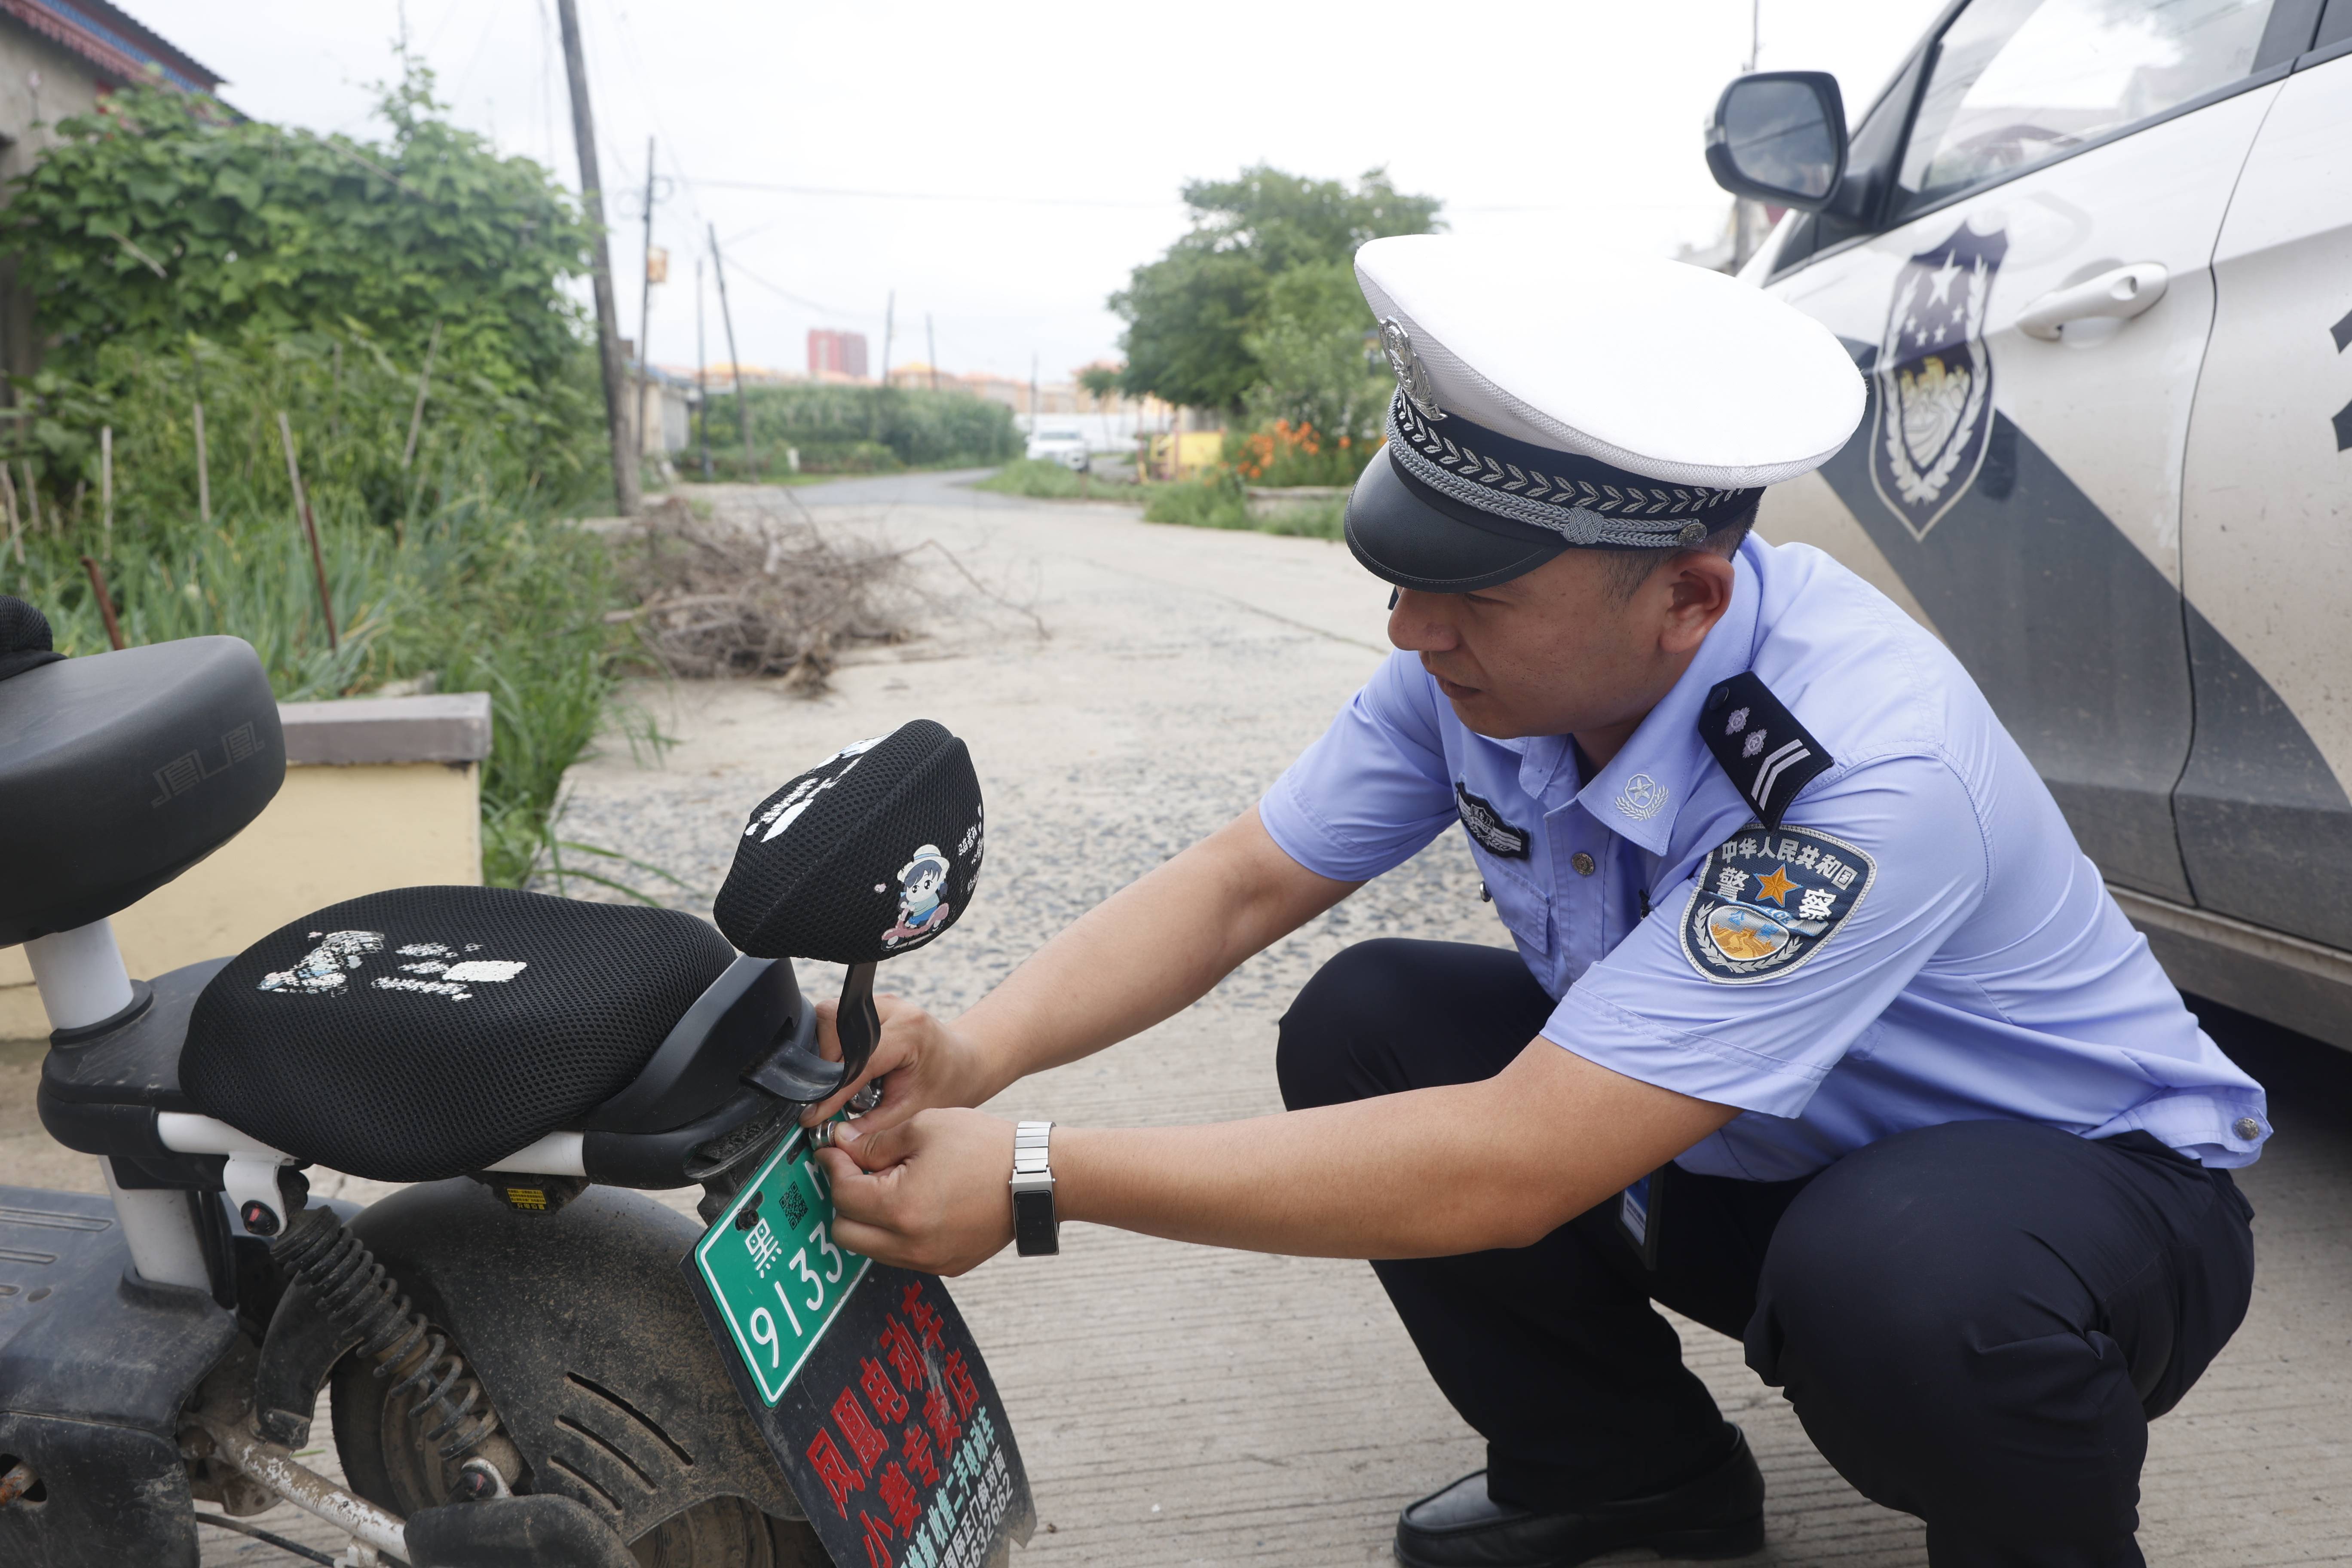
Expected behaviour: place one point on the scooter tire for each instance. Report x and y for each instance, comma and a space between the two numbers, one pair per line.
384, 1460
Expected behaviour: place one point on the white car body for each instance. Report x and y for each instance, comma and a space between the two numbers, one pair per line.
1066, 444
2102, 292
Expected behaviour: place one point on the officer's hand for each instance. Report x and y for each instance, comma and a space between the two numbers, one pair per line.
932, 1195
921, 1062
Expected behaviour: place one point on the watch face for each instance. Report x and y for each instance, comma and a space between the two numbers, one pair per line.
1036, 1232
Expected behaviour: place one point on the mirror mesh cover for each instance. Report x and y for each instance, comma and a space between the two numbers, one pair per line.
872, 852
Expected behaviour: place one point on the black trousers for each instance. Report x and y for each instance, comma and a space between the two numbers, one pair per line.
1975, 1322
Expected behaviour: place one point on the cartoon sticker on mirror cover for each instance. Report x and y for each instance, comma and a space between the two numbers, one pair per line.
922, 912
1766, 900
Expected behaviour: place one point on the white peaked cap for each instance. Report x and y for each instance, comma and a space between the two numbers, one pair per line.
1655, 367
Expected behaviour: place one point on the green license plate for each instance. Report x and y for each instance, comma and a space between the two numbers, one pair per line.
773, 1267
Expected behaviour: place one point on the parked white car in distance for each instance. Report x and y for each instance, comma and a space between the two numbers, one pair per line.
1066, 444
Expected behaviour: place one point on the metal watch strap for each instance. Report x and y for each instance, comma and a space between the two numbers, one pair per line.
1036, 1232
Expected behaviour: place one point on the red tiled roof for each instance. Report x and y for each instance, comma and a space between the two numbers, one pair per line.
119, 47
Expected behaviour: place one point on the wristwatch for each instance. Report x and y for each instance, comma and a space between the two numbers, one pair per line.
1036, 1232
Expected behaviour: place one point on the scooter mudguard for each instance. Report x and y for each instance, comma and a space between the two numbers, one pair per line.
95, 1366
588, 1342
865, 1380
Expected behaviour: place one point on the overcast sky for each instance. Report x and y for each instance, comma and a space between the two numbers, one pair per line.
1003, 167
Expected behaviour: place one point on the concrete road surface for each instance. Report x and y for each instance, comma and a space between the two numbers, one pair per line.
1178, 1405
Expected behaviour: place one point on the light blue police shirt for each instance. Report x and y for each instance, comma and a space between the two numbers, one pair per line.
1984, 974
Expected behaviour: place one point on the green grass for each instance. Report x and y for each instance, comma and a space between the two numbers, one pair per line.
689, 472
1317, 519
459, 567
1214, 502
1219, 501
1044, 480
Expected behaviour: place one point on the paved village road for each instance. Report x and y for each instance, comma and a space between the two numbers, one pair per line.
1178, 1405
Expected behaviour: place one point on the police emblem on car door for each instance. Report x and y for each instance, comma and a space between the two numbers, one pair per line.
1935, 378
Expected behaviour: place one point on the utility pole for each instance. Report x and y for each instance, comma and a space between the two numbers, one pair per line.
645, 304
591, 205
1033, 398
727, 318
931, 350
889, 319
701, 376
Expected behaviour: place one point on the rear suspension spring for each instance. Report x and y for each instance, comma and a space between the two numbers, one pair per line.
352, 1287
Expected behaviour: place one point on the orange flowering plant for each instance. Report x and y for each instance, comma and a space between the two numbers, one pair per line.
1283, 453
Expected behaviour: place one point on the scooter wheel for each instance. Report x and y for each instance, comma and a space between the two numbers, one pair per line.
387, 1459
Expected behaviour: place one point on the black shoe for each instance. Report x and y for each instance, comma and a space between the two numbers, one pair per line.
1717, 1514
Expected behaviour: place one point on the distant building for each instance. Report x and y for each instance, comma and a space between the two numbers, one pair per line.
832, 352
57, 59
665, 409
1024, 397
723, 376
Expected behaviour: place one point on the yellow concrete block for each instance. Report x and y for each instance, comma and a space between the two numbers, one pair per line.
333, 832
1199, 450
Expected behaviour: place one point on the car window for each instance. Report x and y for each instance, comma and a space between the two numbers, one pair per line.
2014, 82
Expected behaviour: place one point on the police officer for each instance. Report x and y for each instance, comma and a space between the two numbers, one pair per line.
1820, 1028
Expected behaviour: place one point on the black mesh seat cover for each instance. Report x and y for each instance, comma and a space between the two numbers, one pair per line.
426, 1032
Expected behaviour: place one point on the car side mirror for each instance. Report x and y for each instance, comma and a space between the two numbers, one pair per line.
1780, 137
872, 852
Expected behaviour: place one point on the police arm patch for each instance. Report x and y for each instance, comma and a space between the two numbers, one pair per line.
1766, 899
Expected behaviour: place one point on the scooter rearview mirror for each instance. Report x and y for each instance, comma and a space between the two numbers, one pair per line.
870, 854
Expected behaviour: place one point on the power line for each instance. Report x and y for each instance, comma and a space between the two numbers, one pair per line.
782, 292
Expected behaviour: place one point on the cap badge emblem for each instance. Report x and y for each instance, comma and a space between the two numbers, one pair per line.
1413, 376
1642, 797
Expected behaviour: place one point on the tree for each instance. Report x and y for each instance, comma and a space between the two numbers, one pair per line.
162, 214
1100, 381
1319, 367
1193, 315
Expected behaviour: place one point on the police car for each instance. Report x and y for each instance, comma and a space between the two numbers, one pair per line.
2094, 259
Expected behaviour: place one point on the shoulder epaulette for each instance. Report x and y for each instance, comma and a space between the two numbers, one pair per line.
1767, 754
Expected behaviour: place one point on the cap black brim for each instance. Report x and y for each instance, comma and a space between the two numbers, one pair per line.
1406, 534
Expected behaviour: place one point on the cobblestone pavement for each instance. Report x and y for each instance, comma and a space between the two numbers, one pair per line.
1179, 1404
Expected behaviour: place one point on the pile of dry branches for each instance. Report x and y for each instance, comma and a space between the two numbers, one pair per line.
763, 595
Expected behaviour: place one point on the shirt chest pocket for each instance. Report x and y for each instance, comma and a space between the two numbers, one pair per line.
1521, 905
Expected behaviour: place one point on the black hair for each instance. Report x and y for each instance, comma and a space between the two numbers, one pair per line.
1629, 567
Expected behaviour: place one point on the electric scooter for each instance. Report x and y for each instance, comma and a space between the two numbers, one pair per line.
528, 1361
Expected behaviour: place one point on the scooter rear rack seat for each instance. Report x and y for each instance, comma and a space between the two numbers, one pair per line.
95, 1366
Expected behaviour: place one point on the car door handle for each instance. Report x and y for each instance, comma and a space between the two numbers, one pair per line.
2122, 294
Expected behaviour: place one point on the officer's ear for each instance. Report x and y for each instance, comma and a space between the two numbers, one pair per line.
1690, 594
